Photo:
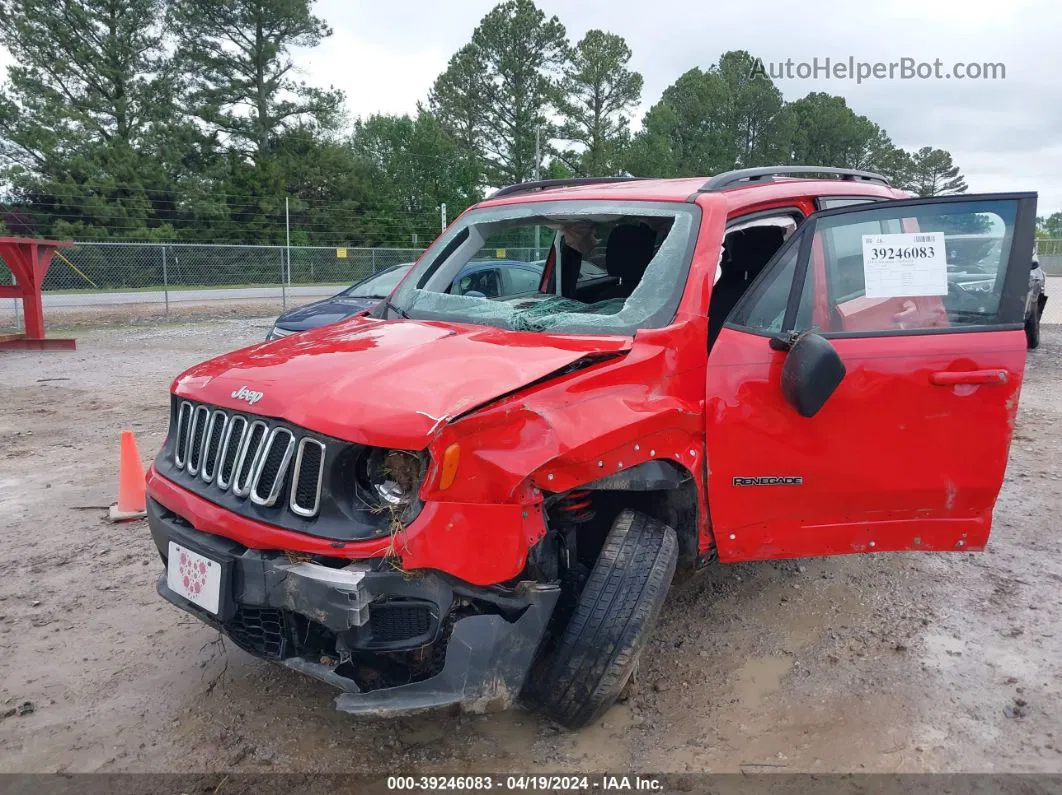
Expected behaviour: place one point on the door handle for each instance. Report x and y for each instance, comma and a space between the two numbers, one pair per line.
950, 377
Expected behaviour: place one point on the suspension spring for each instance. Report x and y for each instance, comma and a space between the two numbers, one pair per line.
577, 507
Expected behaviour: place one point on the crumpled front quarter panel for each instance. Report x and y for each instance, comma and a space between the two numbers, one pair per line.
573, 430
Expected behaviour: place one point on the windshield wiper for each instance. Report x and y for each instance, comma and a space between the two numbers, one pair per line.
401, 312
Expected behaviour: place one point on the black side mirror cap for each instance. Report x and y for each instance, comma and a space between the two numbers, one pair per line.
812, 372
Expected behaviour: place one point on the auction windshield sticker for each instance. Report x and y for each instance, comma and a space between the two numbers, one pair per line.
904, 265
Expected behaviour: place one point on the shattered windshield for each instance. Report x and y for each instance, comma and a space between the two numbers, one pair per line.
606, 267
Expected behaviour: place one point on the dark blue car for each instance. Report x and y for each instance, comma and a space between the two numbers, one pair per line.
490, 279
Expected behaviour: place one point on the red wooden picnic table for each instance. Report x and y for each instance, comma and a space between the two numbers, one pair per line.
29, 259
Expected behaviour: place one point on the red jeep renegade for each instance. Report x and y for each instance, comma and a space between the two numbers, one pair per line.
478, 493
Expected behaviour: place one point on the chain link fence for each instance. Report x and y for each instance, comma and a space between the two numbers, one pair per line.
88, 268
93, 276
1050, 253
113, 281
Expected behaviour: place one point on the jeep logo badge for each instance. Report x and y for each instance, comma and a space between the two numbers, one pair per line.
243, 393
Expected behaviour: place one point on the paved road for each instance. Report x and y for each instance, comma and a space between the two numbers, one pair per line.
1053, 310
180, 296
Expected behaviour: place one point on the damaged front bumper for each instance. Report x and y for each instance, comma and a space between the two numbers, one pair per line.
393, 642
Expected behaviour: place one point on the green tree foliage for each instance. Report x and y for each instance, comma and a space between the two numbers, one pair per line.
519, 52
185, 119
1050, 227
237, 55
826, 132
598, 94
933, 174
86, 118
458, 99
416, 168
752, 113
681, 134
712, 121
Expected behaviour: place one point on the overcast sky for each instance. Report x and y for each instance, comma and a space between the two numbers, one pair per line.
1004, 134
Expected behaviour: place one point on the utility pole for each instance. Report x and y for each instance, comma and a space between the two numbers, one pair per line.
287, 229
538, 175
442, 217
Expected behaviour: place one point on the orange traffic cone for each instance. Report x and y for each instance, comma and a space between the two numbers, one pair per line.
132, 495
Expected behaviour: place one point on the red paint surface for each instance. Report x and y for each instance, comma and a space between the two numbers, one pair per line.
893, 461
891, 458
381, 382
29, 260
481, 544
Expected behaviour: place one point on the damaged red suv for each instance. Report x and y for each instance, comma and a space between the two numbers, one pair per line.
457, 500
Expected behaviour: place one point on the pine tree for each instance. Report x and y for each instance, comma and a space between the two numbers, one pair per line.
503, 87
237, 55
87, 115
458, 99
933, 173
598, 93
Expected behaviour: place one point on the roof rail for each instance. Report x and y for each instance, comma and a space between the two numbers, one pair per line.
545, 184
731, 178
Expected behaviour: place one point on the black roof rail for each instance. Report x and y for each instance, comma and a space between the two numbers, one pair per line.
545, 184
731, 178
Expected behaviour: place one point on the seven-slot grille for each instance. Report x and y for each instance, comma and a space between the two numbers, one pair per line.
249, 457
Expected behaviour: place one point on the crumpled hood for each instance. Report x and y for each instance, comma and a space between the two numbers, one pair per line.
321, 313
385, 383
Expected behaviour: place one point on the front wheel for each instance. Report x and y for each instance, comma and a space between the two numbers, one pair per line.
617, 608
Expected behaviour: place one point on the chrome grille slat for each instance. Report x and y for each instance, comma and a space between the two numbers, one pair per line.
312, 479
194, 450
251, 457
184, 419
231, 441
247, 461
265, 460
212, 444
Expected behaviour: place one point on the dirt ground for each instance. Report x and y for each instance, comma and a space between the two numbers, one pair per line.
64, 321
892, 663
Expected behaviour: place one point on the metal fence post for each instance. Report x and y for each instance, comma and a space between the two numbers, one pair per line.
165, 280
373, 259
283, 289
18, 316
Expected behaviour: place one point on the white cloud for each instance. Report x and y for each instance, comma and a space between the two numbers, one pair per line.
1002, 134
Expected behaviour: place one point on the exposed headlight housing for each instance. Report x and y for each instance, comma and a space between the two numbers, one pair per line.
390, 479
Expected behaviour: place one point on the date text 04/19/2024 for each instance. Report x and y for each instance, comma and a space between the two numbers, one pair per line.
524, 783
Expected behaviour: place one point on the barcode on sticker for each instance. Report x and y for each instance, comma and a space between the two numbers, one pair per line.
924, 238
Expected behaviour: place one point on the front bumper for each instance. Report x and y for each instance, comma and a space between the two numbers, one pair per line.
366, 627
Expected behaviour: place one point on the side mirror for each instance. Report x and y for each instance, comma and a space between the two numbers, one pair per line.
812, 372
1035, 265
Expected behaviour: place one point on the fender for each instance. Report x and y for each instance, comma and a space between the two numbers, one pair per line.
649, 476
584, 426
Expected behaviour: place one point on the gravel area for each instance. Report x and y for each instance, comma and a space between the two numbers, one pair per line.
891, 663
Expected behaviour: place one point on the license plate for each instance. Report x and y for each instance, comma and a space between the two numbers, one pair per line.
196, 578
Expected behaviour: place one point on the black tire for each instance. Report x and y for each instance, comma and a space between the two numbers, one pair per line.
1032, 330
599, 648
